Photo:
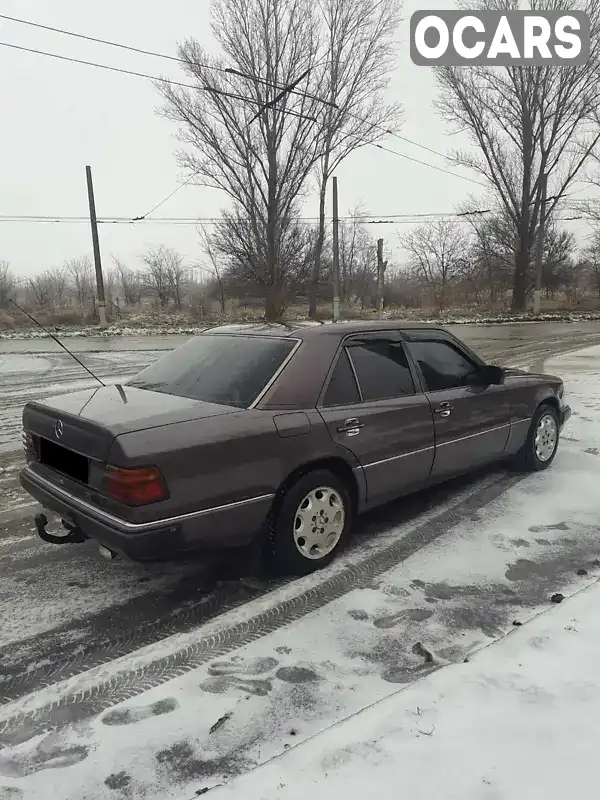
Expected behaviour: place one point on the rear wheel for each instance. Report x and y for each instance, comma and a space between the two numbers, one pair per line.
311, 524
541, 445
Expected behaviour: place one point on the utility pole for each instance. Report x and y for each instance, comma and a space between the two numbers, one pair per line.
336, 254
96, 244
381, 267
539, 253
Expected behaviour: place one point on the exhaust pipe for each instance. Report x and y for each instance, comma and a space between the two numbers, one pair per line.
109, 555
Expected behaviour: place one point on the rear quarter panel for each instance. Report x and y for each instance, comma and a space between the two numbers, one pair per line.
210, 463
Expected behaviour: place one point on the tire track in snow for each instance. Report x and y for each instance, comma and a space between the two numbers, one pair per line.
99, 696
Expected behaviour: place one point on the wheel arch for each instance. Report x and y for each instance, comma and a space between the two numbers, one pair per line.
334, 464
549, 400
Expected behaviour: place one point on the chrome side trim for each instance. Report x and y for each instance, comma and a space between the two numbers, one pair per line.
521, 421
396, 458
104, 516
474, 435
443, 444
277, 372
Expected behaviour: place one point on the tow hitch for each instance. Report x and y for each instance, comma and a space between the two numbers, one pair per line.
73, 535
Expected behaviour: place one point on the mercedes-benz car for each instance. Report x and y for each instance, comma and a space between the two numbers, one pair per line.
279, 434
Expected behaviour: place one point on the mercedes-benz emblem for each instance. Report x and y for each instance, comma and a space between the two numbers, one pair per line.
58, 429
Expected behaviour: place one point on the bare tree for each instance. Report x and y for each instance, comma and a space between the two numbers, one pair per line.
209, 249
492, 250
129, 283
233, 243
435, 249
358, 258
262, 163
361, 53
527, 122
42, 287
7, 283
592, 260
164, 274
81, 273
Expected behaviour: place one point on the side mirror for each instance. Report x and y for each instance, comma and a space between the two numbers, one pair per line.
491, 375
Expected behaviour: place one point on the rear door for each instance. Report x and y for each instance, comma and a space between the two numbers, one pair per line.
472, 421
372, 406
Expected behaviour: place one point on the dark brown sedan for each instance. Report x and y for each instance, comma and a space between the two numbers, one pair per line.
282, 433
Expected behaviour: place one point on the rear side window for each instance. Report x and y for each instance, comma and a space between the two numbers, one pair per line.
442, 365
216, 368
382, 369
342, 389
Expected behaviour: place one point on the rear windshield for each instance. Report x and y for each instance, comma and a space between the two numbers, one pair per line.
229, 370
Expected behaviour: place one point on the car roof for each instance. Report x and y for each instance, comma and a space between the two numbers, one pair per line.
308, 330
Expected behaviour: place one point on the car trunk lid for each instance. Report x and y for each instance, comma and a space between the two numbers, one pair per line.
72, 433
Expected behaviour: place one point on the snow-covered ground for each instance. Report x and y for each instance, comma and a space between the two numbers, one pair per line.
518, 720
307, 688
144, 326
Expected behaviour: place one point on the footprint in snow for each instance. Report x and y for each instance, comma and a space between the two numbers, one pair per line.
254, 666
128, 716
49, 754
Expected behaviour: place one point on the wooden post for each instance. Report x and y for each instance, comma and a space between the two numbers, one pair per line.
539, 253
96, 246
381, 267
336, 254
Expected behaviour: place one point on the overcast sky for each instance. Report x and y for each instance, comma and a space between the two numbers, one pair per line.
57, 117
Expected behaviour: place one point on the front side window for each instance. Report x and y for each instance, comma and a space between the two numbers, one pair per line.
217, 368
442, 365
382, 369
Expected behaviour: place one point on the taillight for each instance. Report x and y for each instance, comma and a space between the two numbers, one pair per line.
135, 487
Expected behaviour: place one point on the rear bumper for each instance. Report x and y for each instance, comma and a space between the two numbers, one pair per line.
565, 414
224, 526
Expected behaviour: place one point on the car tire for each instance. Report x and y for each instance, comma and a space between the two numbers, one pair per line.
541, 444
304, 507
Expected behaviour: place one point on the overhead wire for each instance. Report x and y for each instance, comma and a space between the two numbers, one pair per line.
216, 68
170, 81
284, 90
152, 53
212, 90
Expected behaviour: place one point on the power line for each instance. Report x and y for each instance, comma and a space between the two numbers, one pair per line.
206, 89
370, 144
220, 92
154, 54
225, 70
164, 200
427, 164
127, 220
98, 41
372, 219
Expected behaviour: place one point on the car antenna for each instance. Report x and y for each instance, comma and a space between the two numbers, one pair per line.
122, 393
64, 347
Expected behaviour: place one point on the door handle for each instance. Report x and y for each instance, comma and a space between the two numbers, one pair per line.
351, 427
444, 409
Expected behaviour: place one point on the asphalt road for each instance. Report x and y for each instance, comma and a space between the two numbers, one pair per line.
65, 610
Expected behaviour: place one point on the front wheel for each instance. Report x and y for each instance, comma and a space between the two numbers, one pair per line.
311, 524
541, 445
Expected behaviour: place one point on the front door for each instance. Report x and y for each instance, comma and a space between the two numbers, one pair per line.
472, 422
371, 407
